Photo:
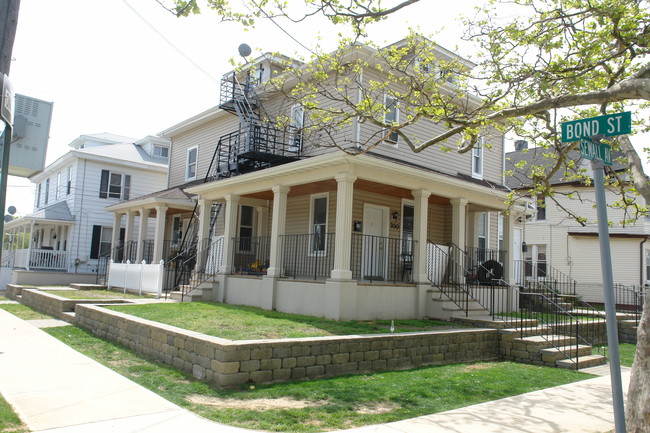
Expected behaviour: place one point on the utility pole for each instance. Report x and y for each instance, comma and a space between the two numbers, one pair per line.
9, 22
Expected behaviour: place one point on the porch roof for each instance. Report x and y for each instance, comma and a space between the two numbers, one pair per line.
367, 169
175, 198
58, 213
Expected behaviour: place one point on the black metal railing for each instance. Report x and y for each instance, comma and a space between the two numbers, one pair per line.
188, 271
307, 256
544, 278
630, 300
381, 259
231, 89
251, 255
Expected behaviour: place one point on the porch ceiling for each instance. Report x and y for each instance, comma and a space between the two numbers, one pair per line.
359, 184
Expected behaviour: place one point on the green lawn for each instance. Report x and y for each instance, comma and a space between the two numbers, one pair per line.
9, 421
235, 322
325, 404
24, 312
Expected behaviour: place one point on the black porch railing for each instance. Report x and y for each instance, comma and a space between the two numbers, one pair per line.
193, 266
381, 259
251, 255
307, 256
544, 278
630, 300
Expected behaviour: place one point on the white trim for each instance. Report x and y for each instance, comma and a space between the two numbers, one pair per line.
187, 163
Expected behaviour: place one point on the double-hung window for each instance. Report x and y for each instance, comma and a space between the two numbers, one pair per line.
318, 219
297, 124
101, 241
246, 220
540, 215
68, 187
477, 159
114, 185
191, 164
391, 117
482, 235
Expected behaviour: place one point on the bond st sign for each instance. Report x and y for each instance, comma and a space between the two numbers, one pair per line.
608, 125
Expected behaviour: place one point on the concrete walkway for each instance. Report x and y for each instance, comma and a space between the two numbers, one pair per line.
55, 389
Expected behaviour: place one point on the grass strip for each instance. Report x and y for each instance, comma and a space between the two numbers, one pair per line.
325, 404
9, 421
24, 312
236, 322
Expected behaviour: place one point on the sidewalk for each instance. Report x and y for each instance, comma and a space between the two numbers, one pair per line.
55, 389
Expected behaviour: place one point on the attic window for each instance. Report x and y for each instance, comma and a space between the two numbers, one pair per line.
162, 151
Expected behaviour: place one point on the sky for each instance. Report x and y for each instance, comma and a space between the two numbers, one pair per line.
130, 67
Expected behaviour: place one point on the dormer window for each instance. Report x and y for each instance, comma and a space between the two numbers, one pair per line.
161, 151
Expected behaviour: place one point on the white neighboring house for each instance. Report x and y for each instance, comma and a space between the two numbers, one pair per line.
557, 248
60, 242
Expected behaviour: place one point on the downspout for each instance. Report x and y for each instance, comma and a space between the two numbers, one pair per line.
642, 260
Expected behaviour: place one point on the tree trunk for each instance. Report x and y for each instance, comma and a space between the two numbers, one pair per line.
637, 416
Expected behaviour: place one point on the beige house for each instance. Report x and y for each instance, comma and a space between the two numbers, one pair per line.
558, 248
266, 216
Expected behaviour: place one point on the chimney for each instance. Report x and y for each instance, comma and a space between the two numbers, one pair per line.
521, 145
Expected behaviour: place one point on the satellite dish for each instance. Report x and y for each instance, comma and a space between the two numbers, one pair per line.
244, 50
11, 210
8, 218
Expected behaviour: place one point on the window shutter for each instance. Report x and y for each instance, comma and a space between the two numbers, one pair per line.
94, 245
127, 187
103, 185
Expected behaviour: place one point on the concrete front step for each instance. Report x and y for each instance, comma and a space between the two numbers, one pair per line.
193, 296
582, 362
539, 342
554, 354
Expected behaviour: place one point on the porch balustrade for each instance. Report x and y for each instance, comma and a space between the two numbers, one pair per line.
251, 255
40, 259
307, 256
381, 259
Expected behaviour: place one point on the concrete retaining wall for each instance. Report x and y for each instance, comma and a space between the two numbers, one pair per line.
228, 363
57, 306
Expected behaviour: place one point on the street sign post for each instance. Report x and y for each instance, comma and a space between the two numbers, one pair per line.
588, 132
608, 125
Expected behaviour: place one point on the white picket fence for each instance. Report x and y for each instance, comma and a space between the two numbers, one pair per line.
140, 277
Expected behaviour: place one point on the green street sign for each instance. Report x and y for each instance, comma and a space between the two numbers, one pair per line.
592, 150
608, 125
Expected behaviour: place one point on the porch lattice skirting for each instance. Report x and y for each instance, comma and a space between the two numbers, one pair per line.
228, 363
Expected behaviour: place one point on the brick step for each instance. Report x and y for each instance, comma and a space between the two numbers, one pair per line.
193, 296
67, 316
553, 354
537, 342
530, 331
583, 362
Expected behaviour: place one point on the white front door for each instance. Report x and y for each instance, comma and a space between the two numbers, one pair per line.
375, 231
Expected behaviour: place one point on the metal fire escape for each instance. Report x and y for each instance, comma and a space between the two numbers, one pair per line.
257, 143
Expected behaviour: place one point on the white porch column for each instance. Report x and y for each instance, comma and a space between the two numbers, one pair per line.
31, 243
204, 231
142, 233
278, 226
128, 230
343, 240
230, 229
508, 246
159, 236
458, 221
117, 223
420, 230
